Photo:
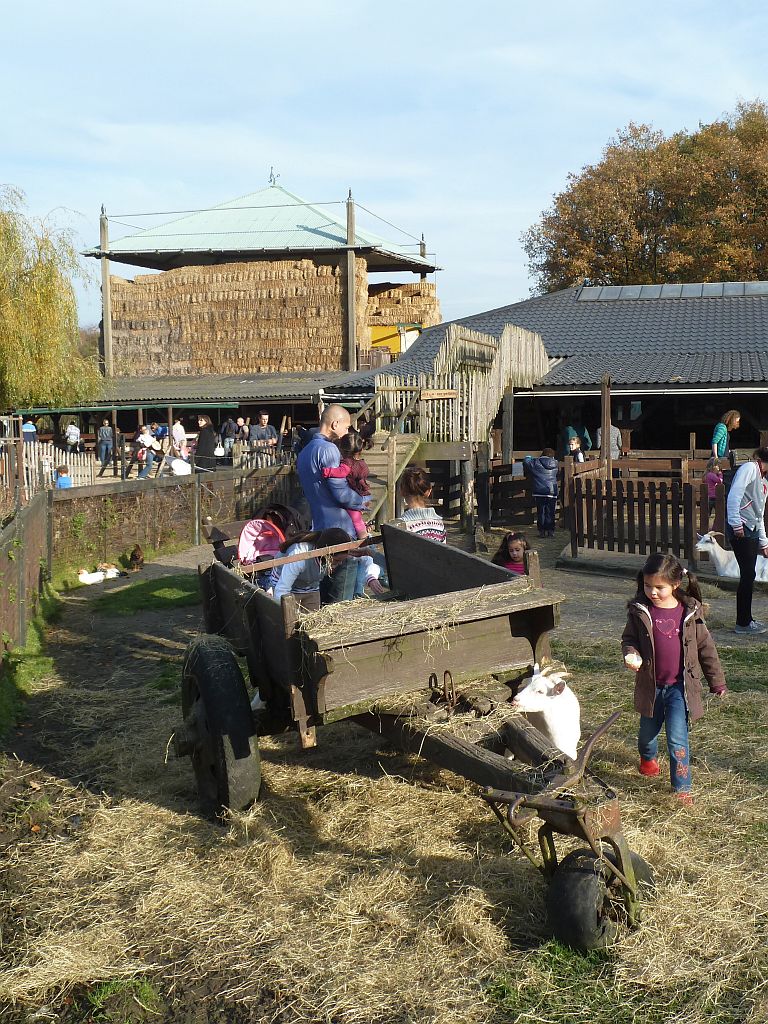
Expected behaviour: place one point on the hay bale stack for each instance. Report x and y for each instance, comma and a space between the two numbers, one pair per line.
263, 317
415, 303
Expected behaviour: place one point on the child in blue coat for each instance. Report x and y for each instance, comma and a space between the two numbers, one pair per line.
542, 473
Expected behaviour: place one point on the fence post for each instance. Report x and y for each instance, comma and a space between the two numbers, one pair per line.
572, 517
483, 485
196, 508
689, 525
49, 532
684, 471
21, 577
467, 495
567, 498
391, 477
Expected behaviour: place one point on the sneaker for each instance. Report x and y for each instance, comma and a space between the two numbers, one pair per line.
685, 798
752, 629
649, 766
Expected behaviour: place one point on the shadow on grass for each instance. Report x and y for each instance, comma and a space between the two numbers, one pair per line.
157, 595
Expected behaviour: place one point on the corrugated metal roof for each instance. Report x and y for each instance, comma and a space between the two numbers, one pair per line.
225, 388
270, 219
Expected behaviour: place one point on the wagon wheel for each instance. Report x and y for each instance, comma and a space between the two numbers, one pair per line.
585, 904
218, 720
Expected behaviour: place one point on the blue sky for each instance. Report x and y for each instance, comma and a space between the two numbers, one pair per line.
453, 119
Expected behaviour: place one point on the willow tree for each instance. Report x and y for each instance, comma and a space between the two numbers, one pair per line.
39, 359
692, 206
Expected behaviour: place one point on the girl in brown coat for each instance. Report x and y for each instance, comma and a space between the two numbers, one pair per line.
667, 644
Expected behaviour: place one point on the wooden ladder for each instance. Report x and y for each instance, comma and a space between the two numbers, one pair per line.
387, 464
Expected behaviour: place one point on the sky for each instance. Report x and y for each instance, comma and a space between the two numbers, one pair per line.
457, 120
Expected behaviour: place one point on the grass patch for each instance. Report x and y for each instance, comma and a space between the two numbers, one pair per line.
133, 1001
64, 576
162, 594
22, 667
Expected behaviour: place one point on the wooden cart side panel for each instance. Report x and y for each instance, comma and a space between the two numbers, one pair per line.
231, 592
281, 655
403, 664
419, 567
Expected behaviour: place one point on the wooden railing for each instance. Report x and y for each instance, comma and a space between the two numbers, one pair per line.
641, 517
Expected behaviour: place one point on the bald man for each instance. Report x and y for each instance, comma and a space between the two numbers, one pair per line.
328, 498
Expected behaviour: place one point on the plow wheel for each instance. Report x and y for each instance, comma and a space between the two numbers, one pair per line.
218, 719
585, 903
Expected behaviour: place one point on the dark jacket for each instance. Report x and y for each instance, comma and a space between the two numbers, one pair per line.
543, 474
206, 444
699, 657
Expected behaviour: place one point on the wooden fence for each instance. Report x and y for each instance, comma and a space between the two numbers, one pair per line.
642, 517
24, 564
30, 466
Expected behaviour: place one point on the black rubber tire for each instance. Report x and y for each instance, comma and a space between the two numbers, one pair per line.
226, 759
583, 903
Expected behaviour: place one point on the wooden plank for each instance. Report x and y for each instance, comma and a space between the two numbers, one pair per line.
653, 511
589, 508
418, 567
663, 517
631, 520
438, 451
675, 512
620, 511
375, 669
578, 509
642, 512
689, 525
610, 533
433, 394
572, 524
599, 514
702, 498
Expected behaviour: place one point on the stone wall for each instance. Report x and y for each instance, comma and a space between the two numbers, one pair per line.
95, 524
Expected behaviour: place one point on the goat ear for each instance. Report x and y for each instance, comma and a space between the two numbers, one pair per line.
558, 688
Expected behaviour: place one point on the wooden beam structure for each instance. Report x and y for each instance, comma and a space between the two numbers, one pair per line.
351, 298
106, 297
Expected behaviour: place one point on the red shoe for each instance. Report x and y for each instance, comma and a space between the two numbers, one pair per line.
649, 767
685, 798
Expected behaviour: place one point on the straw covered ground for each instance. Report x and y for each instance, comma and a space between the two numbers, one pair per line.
365, 886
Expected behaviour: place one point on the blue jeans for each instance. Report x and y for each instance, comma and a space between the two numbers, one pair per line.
670, 711
148, 464
105, 453
545, 514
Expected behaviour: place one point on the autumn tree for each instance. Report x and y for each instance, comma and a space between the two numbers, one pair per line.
40, 361
689, 207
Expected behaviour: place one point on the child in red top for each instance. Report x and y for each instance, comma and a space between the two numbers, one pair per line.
511, 553
712, 479
355, 470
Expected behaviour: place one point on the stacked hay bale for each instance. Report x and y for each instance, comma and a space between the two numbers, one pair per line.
263, 317
414, 303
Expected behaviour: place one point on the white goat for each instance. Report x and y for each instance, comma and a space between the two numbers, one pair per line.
552, 706
725, 561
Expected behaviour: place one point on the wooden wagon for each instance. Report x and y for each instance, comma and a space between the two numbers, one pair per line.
408, 669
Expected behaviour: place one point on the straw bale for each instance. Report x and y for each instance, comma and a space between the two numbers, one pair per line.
283, 315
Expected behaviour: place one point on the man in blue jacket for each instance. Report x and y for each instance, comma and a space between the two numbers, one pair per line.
329, 498
543, 475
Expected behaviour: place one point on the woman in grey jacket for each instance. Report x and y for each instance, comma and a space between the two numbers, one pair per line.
746, 532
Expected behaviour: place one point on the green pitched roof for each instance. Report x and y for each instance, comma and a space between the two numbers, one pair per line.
269, 224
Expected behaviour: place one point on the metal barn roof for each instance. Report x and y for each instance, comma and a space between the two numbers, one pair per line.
272, 223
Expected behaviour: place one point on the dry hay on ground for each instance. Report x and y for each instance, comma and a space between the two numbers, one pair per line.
367, 886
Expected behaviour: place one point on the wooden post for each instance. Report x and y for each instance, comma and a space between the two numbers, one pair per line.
196, 509
391, 508
351, 298
20, 462
467, 473
49, 533
21, 577
483, 485
605, 424
122, 456
507, 429
692, 443
106, 297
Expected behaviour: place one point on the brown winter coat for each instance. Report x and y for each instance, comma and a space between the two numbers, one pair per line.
699, 656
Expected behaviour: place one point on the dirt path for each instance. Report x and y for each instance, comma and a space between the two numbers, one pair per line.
109, 875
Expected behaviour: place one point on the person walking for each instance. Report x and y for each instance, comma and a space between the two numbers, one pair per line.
543, 475
205, 449
105, 440
667, 645
745, 529
145, 454
721, 435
